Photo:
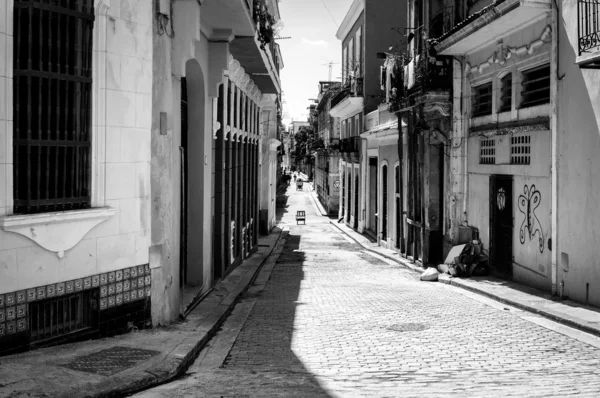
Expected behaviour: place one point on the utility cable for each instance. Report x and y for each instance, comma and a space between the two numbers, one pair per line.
329, 12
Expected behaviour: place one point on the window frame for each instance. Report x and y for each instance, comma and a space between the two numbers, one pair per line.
48, 225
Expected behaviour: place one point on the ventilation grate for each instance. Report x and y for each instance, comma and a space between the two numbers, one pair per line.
487, 151
520, 150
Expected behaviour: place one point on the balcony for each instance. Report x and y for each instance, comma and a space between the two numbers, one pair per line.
490, 24
588, 28
333, 144
349, 145
251, 22
349, 100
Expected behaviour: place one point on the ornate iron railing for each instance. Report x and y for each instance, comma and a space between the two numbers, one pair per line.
349, 144
588, 24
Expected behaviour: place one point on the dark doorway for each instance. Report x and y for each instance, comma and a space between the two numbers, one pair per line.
384, 202
356, 191
349, 197
183, 150
372, 216
501, 222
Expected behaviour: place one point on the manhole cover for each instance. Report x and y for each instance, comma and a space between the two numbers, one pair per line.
110, 361
408, 327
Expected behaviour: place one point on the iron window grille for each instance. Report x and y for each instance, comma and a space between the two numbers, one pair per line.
60, 316
536, 86
52, 105
520, 150
482, 100
487, 151
506, 93
588, 25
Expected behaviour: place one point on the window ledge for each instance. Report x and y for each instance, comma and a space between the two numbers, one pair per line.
56, 231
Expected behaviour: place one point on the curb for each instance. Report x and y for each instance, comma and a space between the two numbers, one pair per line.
408, 265
456, 282
538, 311
184, 354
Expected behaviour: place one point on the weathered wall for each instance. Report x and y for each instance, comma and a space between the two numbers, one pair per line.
186, 55
121, 128
531, 264
578, 164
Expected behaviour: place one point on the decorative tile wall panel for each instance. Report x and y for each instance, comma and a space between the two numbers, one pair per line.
116, 288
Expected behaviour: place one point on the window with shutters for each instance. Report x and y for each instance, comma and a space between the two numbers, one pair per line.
52, 109
535, 88
482, 100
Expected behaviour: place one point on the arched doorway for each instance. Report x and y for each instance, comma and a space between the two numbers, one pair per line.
194, 185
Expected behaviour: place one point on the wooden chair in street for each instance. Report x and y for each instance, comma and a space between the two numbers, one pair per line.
301, 216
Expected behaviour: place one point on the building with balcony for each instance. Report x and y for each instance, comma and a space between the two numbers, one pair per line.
327, 158
418, 88
214, 148
383, 221
504, 126
365, 31
154, 158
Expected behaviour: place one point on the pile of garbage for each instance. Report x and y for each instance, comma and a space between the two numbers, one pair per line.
463, 261
466, 260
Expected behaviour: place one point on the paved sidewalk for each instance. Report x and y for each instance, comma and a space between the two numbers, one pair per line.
42, 373
567, 312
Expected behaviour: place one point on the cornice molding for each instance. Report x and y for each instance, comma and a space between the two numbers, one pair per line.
502, 54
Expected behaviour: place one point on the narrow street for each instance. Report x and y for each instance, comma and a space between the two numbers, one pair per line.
326, 318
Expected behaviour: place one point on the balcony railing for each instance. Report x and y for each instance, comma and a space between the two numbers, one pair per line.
588, 21
349, 144
353, 87
334, 143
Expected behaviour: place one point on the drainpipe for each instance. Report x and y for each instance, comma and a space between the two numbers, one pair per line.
554, 79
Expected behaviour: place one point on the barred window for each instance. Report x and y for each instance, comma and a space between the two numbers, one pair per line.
52, 105
487, 151
520, 149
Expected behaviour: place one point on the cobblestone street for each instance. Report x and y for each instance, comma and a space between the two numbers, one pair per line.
333, 320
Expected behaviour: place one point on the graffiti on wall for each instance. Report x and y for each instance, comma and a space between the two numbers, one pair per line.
529, 201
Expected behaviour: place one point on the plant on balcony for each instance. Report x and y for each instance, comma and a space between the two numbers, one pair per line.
265, 24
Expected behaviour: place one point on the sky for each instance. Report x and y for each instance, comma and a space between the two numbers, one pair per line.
309, 50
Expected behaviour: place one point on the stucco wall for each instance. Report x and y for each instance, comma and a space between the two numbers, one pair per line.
388, 154
578, 165
122, 115
532, 261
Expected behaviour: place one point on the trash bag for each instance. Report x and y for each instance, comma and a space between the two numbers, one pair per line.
430, 274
